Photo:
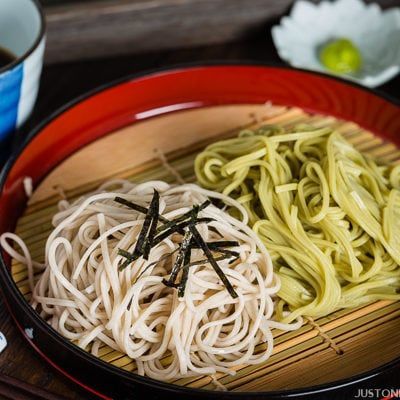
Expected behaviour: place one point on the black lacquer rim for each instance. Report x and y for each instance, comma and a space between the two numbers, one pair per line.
13, 290
31, 49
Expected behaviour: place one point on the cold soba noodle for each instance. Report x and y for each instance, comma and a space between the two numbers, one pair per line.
329, 215
94, 292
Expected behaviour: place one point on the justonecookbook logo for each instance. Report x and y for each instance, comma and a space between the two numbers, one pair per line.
384, 394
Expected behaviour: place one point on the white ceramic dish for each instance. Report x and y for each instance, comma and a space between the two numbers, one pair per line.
376, 34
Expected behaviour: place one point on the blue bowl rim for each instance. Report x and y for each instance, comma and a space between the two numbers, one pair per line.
21, 59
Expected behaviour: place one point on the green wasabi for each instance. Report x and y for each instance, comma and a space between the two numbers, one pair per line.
341, 56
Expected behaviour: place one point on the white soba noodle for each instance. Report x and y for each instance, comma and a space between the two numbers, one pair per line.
84, 295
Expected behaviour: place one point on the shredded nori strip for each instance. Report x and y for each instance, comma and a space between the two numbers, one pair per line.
124, 253
137, 208
174, 229
159, 238
129, 204
182, 217
233, 260
165, 256
218, 244
228, 252
151, 235
129, 258
154, 209
185, 271
200, 242
218, 203
184, 255
212, 229
151, 214
168, 232
170, 284
184, 247
206, 260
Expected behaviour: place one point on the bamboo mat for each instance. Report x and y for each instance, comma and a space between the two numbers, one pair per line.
340, 345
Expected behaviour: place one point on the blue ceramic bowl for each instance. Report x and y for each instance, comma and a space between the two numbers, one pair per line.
22, 30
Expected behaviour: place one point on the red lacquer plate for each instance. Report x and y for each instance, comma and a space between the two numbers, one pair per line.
142, 97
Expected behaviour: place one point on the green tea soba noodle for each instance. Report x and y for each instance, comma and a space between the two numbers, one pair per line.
329, 215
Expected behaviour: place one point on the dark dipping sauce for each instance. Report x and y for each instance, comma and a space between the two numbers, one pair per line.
6, 57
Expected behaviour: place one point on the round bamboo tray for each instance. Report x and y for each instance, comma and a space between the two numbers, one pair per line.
345, 343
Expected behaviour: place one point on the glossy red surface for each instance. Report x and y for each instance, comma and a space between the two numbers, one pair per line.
172, 90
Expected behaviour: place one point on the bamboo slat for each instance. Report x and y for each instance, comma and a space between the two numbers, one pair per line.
342, 344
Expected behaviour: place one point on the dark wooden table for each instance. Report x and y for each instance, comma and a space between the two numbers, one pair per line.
62, 83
